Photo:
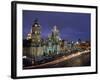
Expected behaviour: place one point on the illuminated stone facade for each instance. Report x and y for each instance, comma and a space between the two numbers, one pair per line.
38, 46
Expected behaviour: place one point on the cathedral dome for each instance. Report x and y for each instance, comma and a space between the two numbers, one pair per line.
35, 24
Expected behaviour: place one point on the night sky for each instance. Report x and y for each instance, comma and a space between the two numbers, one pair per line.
72, 26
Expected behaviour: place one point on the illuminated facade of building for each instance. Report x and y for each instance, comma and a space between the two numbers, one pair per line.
37, 46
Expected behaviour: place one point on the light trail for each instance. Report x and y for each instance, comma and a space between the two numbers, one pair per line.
59, 60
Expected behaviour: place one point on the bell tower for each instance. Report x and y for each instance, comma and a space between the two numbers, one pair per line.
36, 34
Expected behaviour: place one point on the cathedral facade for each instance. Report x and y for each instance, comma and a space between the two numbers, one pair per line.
35, 46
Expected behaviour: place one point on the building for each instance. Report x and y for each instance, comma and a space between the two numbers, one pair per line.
53, 42
35, 46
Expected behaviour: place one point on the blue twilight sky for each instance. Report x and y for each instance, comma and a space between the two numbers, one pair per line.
72, 26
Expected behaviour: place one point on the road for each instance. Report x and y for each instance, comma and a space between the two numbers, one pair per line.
75, 59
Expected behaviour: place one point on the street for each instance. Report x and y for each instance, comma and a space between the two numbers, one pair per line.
72, 60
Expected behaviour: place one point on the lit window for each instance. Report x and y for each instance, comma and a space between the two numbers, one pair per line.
36, 25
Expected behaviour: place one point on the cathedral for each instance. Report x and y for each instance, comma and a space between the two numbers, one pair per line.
35, 46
